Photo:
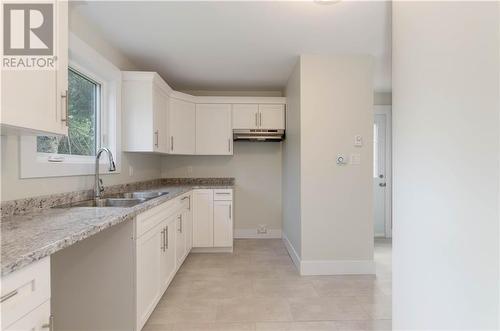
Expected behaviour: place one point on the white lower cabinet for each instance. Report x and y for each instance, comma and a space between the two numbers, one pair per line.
223, 223
37, 320
203, 218
149, 249
25, 300
213, 218
180, 239
168, 263
161, 249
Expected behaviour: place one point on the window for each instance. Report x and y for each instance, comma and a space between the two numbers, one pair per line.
94, 113
84, 99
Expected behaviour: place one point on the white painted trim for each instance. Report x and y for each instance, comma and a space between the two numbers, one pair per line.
150, 75
387, 110
336, 267
212, 250
252, 234
292, 252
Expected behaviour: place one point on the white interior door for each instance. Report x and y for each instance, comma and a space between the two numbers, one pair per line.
382, 174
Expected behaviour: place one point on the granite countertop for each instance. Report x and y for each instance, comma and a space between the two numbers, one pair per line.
29, 237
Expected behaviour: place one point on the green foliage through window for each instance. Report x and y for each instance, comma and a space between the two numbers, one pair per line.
83, 107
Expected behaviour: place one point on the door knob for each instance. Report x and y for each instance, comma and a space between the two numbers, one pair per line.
382, 184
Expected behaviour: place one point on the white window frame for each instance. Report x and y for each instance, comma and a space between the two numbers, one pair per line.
88, 62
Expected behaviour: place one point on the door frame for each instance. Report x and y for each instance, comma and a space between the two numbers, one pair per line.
387, 110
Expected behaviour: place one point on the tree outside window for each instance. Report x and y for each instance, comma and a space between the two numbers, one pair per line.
83, 115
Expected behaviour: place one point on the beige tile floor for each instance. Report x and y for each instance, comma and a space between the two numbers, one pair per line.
258, 288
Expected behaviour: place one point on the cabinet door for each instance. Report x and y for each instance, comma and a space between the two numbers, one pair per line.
213, 129
36, 100
38, 319
160, 108
245, 116
203, 218
149, 249
223, 223
187, 216
168, 261
272, 117
182, 123
180, 240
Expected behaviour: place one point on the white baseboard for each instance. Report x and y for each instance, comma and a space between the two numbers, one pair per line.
252, 234
291, 251
328, 267
336, 267
211, 250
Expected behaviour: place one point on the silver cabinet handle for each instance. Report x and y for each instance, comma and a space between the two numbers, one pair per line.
260, 116
66, 110
229, 211
162, 240
166, 237
156, 138
229, 145
222, 193
171, 143
180, 223
8, 296
256, 121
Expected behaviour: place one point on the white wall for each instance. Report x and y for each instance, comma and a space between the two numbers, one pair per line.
446, 168
336, 201
292, 230
145, 166
257, 171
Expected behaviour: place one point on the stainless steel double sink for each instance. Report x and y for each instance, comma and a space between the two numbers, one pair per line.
128, 199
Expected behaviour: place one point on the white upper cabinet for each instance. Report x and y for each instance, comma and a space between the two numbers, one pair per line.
145, 108
214, 129
158, 119
245, 116
35, 101
181, 127
272, 117
160, 111
258, 116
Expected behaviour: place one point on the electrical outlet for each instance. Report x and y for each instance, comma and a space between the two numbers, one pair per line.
190, 170
130, 170
262, 229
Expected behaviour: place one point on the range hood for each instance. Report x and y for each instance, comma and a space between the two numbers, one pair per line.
259, 135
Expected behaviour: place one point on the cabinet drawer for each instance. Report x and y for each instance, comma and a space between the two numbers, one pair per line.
223, 194
24, 290
150, 218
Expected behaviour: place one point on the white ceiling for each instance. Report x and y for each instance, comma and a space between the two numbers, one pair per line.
241, 45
